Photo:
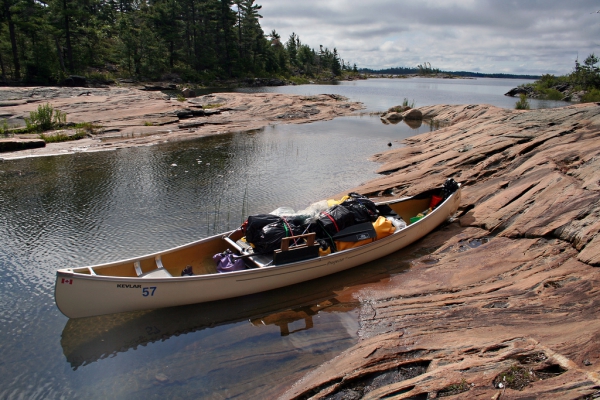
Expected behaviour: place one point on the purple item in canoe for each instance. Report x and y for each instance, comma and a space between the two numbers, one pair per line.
227, 262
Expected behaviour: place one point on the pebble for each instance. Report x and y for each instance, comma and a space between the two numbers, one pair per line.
161, 377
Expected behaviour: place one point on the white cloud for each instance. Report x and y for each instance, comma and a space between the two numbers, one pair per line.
513, 36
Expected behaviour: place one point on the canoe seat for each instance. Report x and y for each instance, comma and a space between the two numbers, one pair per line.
159, 272
156, 273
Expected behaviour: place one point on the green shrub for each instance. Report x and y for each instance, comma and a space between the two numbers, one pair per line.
45, 118
552, 94
523, 103
593, 96
4, 128
548, 81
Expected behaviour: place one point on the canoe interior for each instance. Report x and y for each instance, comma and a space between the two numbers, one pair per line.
410, 208
199, 254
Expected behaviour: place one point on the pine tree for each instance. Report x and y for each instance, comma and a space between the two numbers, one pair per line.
42, 41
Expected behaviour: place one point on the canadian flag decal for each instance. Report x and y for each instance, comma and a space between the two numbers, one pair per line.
69, 281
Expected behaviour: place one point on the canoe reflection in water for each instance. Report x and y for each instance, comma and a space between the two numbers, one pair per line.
86, 340
285, 318
292, 309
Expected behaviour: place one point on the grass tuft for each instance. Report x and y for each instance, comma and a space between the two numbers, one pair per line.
82, 130
61, 136
523, 103
209, 106
5, 128
405, 103
45, 118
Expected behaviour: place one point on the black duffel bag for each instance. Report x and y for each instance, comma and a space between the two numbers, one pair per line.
366, 206
268, 239
256, 223
333, 220
360, 212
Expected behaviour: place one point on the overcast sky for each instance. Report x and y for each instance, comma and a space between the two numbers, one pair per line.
506, 36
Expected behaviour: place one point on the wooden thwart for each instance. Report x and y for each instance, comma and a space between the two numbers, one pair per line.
300, 252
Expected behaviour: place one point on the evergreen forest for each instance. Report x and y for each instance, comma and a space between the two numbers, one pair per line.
202, 41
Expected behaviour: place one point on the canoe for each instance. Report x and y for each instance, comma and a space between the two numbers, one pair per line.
154, 280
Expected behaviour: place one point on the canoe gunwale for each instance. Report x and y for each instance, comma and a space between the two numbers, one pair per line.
68, 272
250, 271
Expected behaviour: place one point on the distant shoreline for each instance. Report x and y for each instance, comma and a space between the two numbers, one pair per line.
467, 74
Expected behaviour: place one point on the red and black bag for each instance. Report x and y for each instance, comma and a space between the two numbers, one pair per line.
331, 221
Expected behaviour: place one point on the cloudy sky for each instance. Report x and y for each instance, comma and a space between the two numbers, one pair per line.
490, 36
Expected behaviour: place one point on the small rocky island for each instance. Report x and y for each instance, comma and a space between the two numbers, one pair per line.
567, 91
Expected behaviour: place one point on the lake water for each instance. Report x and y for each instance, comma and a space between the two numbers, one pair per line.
90, 208
381, 94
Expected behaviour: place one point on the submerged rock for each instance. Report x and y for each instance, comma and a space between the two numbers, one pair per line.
413, 114
392, 116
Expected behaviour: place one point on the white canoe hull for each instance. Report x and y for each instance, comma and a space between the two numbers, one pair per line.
83, 295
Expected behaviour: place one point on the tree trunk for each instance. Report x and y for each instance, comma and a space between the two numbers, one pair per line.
60, 54
68, 37
225, 40
13, 40
3, 69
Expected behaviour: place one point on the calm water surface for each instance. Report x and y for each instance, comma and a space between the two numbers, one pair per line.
381, 94
91, 208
